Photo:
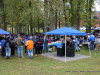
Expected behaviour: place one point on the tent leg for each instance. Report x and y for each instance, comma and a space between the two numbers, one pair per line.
65, 48
89, 51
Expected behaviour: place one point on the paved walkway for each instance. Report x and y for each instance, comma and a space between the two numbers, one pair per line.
54, 56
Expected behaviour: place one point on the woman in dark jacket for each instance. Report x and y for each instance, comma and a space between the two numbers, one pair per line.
8, 49
38, 44
12, 46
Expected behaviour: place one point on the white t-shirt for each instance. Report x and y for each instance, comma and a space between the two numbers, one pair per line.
88, 36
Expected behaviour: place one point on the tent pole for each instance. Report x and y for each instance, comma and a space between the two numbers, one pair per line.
89, 51
65, 48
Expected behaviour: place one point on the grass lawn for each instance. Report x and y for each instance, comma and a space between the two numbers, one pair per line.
42, 65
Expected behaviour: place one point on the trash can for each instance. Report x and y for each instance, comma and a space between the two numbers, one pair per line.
60, 51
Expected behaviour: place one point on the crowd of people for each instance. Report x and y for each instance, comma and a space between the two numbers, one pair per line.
36, 44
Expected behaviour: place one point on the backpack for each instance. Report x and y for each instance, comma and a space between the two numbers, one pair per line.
2, 43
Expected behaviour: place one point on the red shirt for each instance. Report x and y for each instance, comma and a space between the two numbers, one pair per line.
49, 40
22, 38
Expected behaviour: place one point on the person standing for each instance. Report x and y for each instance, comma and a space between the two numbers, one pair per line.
76, 44
97, 42
46, 44
34, 49
8, 49
30, 46
68, 41
49, 40
85, 38
3, 47
99, 34
12, 46
38, 46
92, 40
19, 44
81, 40
25, 40
42, 43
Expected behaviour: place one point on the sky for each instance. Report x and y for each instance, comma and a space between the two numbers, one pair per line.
97, 6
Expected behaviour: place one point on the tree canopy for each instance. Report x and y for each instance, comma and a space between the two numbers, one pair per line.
20, 14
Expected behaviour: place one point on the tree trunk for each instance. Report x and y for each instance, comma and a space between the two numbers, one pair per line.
38, 25
4, 25
72, 15
34, 30
59, 23
12, 29
55, 19
78, 16
87, 16
65, 13
59, 17
3, 16
51, 16
28, 29
88, 30
17, 29
20, 28
51, 23
31, 27
31, 30
45, 14
25, 30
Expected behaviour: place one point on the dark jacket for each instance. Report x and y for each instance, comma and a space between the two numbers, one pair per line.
38, 43
7, 41
12, 43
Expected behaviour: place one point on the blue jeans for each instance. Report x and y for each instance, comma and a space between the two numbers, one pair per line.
16, 49
20, 49
46, 46
35, 50
8, 52
30, 53
3, 51
76, 46
92, 46
81, 41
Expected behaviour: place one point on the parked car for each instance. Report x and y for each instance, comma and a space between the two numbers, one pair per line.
92, 28
82, 28
98, 28
96, 32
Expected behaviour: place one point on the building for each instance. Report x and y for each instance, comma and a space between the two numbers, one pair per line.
97, 14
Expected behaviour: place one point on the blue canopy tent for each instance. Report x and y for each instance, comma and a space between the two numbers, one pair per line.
65, 31
3, 32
